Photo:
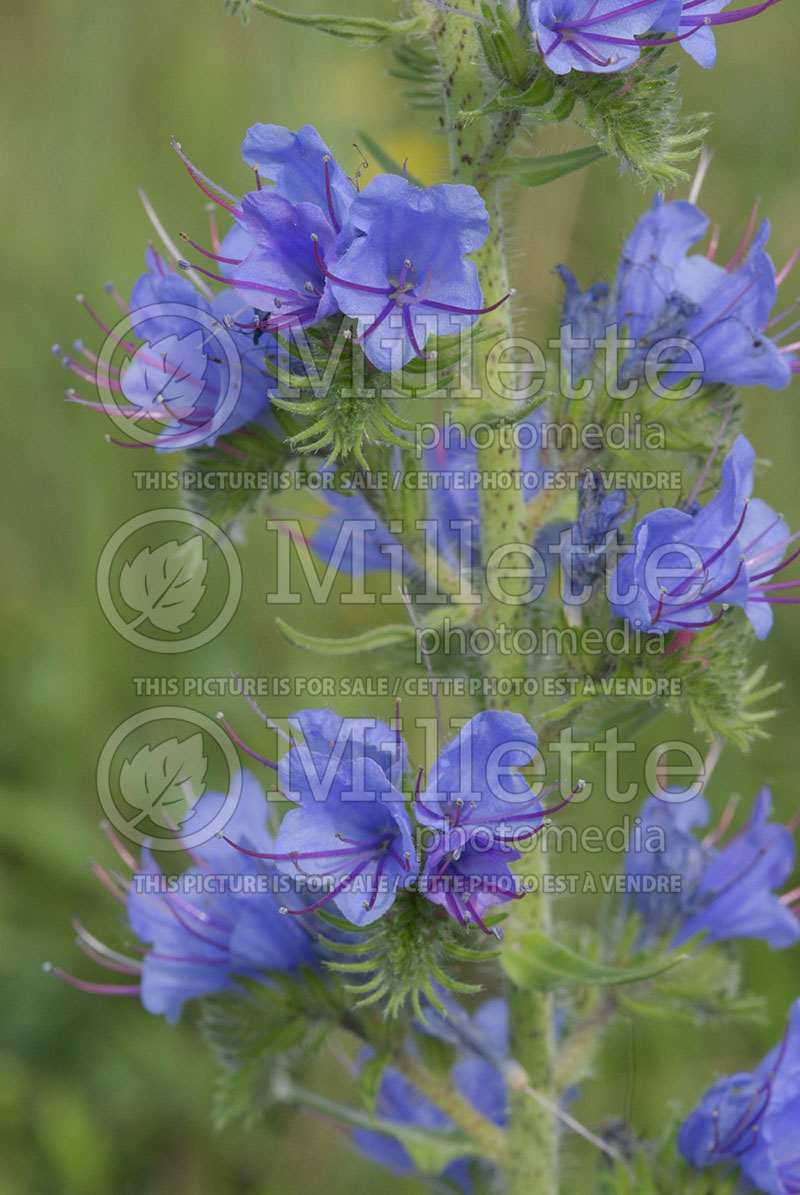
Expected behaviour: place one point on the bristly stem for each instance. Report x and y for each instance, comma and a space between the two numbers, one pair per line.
441, 1093
530, 1158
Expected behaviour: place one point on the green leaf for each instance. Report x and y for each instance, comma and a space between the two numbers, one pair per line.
384, 160
255, 1035
534, 960
431, 1150
374, 640
369, 1080
362, 31
534, 172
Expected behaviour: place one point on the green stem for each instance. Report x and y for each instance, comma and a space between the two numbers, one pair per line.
530, 1161
290, 1093
580, 1046
440, 1092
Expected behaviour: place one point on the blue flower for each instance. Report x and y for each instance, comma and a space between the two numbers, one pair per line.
673, 858
480, 809
751, 1119
474, 1077
727, 891
600, 36
735, 896
405, 276
597, 36
217, 921
281, 274
192, 393
469, 873
349, 839
682, 561
663, 292
325, 731
301, 168
703, 16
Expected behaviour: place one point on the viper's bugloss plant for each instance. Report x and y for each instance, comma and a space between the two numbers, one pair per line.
347, 329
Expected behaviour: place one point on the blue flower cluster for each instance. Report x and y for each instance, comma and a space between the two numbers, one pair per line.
750, 1120
246, 907
392, 257
306, 244
601, 36
725, 890
352, 831
202, 928
685, 313
684, 561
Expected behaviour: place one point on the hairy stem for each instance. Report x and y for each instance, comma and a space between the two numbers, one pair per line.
440, 1092
529, 1162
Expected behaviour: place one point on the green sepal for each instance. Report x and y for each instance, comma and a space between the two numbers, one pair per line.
536, 961
505, 50
535, 172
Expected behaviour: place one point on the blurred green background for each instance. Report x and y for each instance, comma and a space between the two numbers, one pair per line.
95, 1095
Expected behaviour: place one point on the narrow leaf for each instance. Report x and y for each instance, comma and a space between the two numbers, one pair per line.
366, 641
363, 31
536, 961
535, 172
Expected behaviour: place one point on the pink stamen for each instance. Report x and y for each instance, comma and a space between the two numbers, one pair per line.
719, 832
205, 184
118, 845
787, 269
110, 965
105, 879
111, 289
714, 242
329, 195
98, 989
247, 750
418, 800
131, 348
746, 238
213, 231
329, 895
227, 261
409, 326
